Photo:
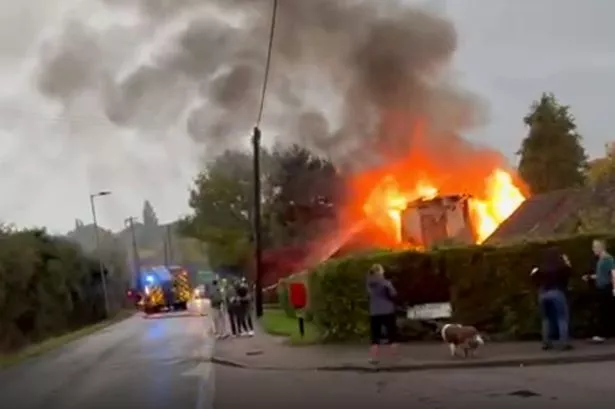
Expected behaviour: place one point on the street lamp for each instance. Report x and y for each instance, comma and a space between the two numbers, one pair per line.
103, 279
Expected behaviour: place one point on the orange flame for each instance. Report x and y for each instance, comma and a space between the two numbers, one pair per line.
502, 198
429, 170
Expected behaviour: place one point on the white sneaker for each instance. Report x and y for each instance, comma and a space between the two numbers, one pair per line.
598, 339
250, 333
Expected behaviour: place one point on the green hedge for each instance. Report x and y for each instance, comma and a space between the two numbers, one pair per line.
283, 297
47, 287
487, 286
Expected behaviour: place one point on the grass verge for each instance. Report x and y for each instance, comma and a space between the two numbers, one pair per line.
276, 322
50, 344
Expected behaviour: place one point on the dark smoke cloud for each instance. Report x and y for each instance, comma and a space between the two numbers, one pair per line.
384, 59
68, 66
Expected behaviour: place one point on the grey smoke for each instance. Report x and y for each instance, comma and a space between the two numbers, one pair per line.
385, 60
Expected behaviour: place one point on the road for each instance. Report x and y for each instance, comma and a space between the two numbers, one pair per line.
557, 387
150, 363
162, 363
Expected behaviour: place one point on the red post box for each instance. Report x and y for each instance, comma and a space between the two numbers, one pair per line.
298, 295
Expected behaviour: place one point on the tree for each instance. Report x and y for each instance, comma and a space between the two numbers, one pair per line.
221, 203
603, 169
305, 190
149, 215
551, 156
48, 286
299, 189
150, 234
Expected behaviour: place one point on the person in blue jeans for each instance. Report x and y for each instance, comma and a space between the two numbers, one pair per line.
551, 278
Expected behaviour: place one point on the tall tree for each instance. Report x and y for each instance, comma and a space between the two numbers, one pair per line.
603, 169
551, 156
221, 203
305, 190
149, 214
150, 235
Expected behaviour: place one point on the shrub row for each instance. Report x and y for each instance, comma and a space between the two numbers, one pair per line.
47, 287
487, 286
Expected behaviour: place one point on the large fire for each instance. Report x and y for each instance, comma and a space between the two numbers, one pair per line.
494, 193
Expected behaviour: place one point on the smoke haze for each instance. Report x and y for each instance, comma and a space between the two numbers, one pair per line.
142, 90
339, 68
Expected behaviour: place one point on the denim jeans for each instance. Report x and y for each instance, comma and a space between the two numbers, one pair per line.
554, 311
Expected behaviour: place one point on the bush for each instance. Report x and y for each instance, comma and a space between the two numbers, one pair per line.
283, 297
47, 287
488, 286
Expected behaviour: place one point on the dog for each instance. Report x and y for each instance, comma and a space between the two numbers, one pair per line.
461, 338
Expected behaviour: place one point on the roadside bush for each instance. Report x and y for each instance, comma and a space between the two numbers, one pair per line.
47, 287
488, 286
339, 297
283, 297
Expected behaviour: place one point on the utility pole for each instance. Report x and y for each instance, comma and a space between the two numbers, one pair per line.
256, 142
166, 252
170, 245
135, 250
258, 249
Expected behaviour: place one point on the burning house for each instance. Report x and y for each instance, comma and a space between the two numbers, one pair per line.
420, 213
426, 223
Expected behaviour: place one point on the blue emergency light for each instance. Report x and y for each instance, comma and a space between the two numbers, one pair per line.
149, 279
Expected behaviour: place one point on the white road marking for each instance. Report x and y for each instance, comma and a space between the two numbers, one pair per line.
204, 370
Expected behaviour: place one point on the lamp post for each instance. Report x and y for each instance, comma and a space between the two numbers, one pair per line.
101, 266
136, 261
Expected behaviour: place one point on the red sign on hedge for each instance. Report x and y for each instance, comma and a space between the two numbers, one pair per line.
298, 295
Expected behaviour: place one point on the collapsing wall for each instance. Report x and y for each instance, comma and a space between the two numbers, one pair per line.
444, 219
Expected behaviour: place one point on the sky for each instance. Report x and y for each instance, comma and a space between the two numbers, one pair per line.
53, 156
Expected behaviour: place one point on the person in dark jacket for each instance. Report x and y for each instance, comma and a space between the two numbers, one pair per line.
232, 303
381, 310
551, 277
242, 292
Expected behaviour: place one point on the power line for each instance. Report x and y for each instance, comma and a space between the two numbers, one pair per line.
268, 63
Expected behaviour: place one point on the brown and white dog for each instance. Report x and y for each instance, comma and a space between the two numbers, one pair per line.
464, 338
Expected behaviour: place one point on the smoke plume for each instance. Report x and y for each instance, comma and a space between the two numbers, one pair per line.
348, 78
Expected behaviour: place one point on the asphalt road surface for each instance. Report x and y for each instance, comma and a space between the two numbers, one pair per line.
162, 363
149, 363
557, 387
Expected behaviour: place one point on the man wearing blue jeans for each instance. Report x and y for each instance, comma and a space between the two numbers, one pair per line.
554, 311
603, 277
552, 281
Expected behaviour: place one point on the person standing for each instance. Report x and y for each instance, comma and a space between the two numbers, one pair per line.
216, 299
551, 278
603, 278
233, 310
381, 295
244, 308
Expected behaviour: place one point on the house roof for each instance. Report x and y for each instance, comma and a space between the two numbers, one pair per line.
540, 216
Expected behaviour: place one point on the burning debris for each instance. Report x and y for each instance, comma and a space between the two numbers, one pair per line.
427, 222
423, 215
